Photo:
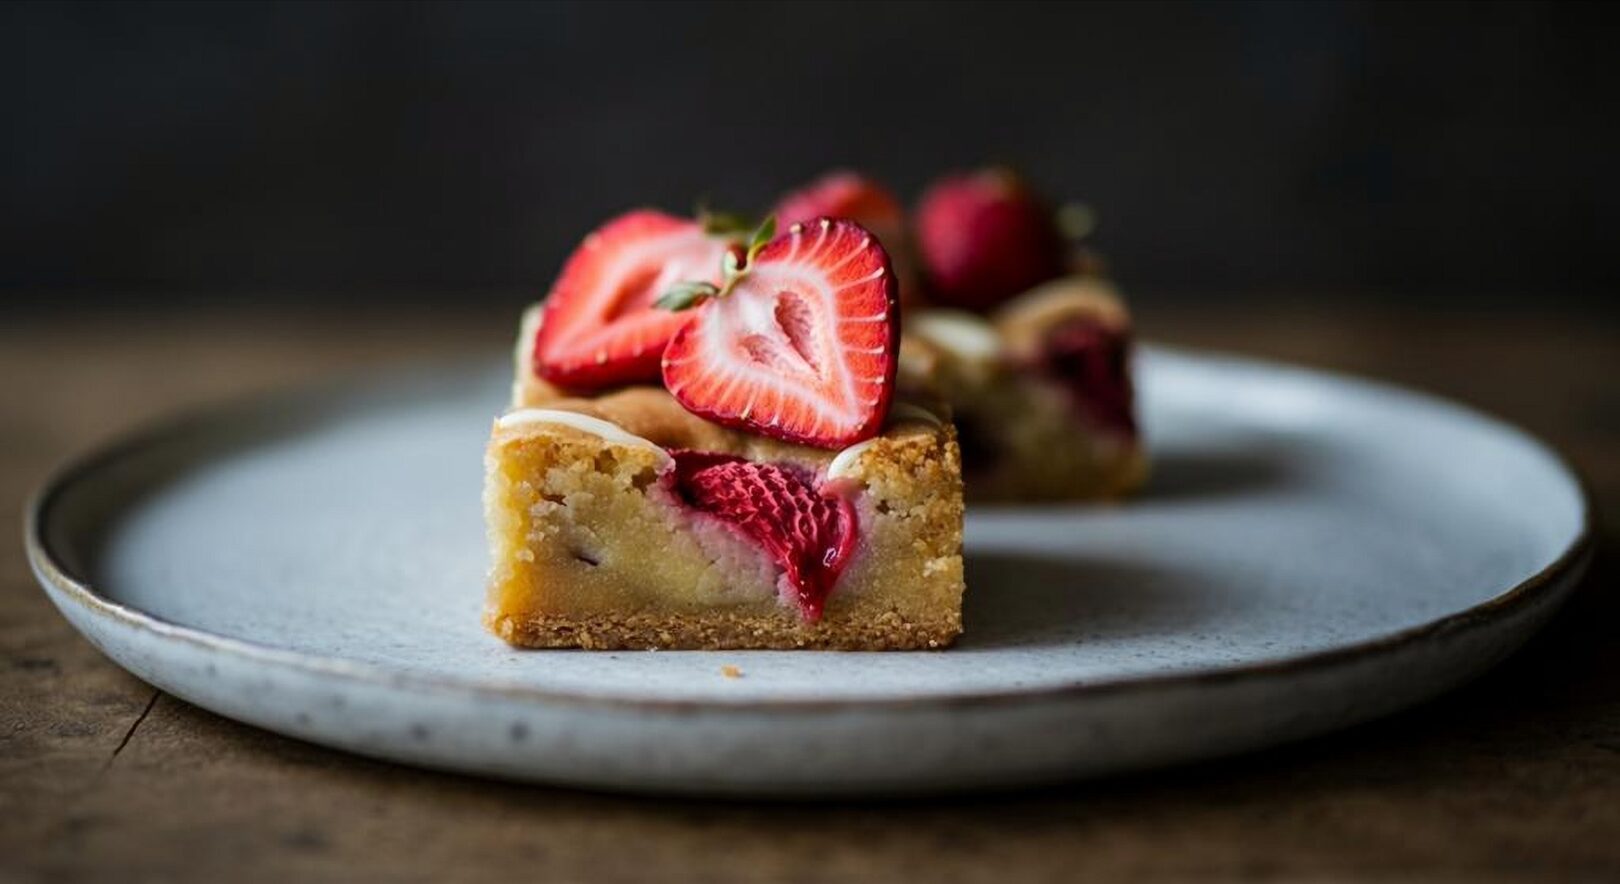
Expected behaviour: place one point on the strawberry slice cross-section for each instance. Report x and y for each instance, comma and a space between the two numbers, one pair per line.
599, 327
847, 194
807, 531
802, 346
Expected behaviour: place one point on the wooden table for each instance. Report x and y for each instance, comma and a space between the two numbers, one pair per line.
101, 777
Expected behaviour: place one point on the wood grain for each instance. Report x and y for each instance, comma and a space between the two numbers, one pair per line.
101, 778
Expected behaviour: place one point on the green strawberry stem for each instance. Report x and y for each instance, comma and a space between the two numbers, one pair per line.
689, 294
686, 295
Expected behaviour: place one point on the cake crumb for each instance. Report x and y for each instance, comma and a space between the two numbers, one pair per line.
730, 671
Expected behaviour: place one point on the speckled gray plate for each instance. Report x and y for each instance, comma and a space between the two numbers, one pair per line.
1313, 552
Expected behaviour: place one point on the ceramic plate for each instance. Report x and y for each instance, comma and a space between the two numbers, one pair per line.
1312, 552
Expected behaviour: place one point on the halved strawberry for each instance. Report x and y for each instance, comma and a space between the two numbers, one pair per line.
802, 347
810, 534
846, 194
599, 327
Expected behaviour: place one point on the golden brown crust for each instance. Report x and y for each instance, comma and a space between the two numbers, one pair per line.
726, 631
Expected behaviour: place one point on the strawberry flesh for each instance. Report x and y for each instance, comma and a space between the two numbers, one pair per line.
599, 327
803, 347
1090, 359
808, 533
984, 238
845, 194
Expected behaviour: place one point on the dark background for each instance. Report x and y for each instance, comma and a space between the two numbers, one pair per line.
1451, 154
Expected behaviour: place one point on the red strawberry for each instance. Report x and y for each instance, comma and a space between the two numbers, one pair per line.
1091, 359
802, 347
845, 194
984, 237
599, 327
809, 534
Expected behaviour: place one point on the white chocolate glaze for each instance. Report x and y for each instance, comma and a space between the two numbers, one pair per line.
964, 334
899, 413
845, 460
584, 423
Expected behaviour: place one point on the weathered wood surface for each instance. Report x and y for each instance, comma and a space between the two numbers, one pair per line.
1516, 776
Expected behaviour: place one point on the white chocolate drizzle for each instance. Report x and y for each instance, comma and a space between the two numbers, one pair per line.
584, 423
964, 334
900, 412
845, 460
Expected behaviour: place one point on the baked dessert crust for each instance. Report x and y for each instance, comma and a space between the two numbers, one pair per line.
725, 631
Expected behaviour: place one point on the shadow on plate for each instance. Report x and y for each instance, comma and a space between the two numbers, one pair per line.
1180, 475
1024, 600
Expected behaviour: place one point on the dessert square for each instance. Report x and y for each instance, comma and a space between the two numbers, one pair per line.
624, 521
1040, 392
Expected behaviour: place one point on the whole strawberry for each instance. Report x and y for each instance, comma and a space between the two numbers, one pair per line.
844, 194
985, 237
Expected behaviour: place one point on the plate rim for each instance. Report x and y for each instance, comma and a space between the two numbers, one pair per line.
51, 569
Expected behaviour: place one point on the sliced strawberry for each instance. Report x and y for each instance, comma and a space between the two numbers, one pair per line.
846, 194
599, 327
809, 534
803, 346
